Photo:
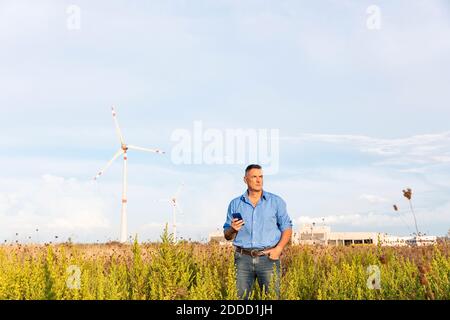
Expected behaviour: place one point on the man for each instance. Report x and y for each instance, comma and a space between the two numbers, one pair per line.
260, 236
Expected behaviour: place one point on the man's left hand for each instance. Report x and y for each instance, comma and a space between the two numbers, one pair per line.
274, 253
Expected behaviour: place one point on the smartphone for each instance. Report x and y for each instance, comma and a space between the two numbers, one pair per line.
237, 216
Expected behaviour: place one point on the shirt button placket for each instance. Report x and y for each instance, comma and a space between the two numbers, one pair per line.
253, 227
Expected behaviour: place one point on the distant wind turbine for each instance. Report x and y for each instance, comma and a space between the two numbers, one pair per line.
123, 150
173, 200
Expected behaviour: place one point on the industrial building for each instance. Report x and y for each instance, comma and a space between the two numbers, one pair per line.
312, 234
321, 235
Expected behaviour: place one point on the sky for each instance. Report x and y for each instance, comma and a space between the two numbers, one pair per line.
344, 103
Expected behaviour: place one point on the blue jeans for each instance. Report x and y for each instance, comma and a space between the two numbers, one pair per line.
249, 268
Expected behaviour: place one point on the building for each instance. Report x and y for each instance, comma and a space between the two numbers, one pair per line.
312, 234
422, 241
349, 238
322, 235
218, 237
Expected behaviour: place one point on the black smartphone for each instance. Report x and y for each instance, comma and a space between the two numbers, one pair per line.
237, 216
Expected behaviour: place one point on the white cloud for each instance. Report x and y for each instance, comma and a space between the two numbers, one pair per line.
52, 204
247, 43
63, 206
335, 193
380, 222
418, 149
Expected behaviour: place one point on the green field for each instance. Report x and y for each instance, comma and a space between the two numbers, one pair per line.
165, 270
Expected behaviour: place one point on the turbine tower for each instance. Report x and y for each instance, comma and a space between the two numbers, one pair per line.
123, 150
175, 208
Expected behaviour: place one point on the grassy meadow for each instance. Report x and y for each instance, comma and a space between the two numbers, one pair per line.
165, 270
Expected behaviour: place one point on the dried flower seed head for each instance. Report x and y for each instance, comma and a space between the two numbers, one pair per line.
407, 193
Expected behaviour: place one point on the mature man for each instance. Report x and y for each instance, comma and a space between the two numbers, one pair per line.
260, 236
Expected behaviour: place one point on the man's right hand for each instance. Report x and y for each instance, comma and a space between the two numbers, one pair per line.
231, 232
237, 224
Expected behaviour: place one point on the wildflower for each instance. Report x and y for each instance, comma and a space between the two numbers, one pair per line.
407, 193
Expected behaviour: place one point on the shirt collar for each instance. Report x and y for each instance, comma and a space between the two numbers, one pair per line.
245, 196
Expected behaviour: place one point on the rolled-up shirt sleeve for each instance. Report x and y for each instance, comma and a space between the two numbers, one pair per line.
283, 220
227, 223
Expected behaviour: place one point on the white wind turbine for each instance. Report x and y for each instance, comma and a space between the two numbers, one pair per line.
123, 150
173, 200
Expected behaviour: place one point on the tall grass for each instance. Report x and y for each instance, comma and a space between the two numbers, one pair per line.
166, 270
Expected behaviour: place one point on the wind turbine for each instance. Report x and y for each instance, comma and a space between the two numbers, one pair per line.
123, 150
173, 200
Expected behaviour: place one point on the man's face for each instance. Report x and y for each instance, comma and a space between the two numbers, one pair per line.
254, 179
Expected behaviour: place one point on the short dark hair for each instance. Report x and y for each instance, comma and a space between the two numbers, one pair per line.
252, 166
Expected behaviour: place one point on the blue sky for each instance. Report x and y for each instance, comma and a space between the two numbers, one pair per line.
361, 113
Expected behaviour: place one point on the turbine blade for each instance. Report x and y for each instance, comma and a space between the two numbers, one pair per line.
145, 149
118, 153
116, 123
164, 200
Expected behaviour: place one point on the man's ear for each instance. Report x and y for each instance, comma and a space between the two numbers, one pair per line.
245, 180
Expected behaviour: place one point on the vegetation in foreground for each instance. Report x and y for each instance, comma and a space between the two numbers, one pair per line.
166, 270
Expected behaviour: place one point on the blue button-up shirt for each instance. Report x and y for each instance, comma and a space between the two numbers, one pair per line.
264, 223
